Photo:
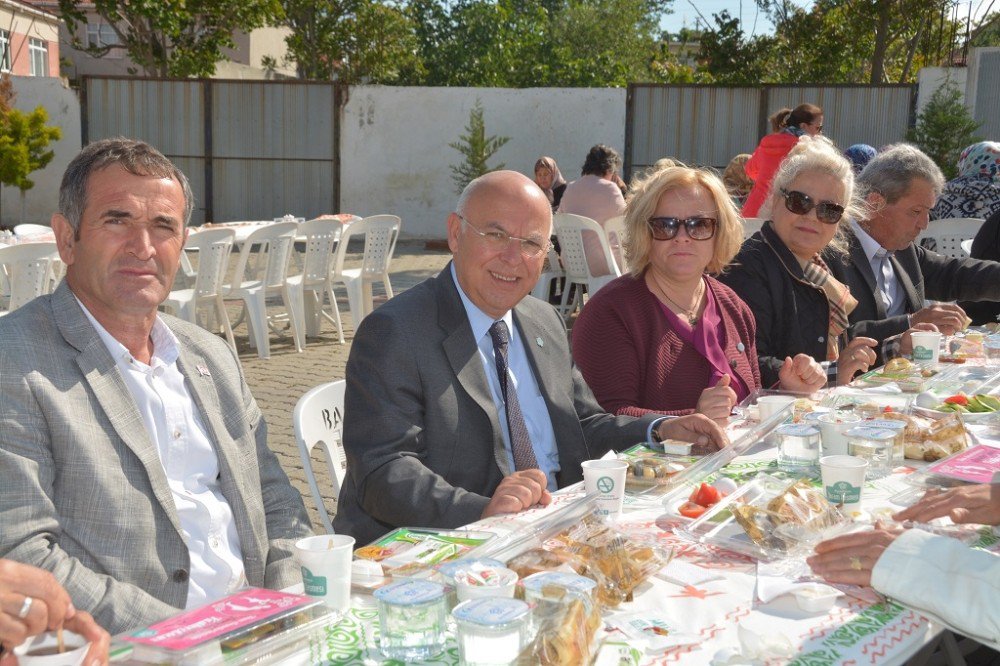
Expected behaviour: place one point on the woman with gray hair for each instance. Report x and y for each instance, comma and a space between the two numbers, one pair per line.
668, 337
786, 271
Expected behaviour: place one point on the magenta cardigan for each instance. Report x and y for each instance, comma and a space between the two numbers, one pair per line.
634, 361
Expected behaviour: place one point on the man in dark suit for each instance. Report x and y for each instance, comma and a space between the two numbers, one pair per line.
462, 399
889, 274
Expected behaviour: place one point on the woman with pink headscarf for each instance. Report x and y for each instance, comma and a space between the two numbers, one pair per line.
976, 190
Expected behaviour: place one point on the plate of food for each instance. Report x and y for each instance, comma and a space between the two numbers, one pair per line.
976, 408
769, 518
903, 372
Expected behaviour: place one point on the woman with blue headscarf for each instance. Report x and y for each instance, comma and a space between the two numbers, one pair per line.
976, 190
859, 155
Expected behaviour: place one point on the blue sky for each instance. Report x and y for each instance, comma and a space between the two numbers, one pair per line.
754, 21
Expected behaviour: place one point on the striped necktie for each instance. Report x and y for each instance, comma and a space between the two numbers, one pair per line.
520, 442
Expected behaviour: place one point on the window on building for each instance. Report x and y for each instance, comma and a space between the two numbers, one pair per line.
4, 51
39, 52
100, 35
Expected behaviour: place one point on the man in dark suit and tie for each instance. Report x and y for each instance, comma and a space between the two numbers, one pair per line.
462, 398
889, 274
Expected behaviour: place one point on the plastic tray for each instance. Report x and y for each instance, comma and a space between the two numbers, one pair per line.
977, 464
653, 486
408, 551
718, 527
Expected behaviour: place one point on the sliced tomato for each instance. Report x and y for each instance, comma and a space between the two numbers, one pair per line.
957, 400
705, 495
691, 510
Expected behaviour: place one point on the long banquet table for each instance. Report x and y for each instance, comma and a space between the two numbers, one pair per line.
724, 613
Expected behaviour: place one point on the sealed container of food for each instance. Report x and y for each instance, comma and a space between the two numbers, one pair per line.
874, 445
491, 631
412, 616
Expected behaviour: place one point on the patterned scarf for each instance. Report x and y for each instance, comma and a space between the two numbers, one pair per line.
817, 273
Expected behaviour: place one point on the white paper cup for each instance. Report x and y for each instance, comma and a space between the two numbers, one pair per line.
832, 428
326, 568
926, 347
76, 649
606, 480
843, 480
769, 405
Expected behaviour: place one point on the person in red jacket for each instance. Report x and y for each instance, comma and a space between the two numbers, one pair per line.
668, 337
805, 119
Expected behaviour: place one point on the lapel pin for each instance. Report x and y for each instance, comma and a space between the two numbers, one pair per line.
539, 342
203, 371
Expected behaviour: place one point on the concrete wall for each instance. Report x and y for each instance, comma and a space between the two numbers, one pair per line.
929, 79
395, 156
63, 108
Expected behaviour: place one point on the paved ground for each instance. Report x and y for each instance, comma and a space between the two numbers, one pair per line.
278, 382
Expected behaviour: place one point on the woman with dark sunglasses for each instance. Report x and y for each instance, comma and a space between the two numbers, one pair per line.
791, 272
668, 337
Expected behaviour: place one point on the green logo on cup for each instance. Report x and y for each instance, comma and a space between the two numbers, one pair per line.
843, 493
922, 353
315, 586
605, 484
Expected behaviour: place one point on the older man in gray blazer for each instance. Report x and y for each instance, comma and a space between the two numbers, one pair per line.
462, 399
134, 460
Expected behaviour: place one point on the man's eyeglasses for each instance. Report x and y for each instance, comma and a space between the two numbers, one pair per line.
666, 228
498, 240
801, 203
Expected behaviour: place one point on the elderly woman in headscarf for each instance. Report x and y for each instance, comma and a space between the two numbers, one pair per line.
859, 155
976, 190
548, 177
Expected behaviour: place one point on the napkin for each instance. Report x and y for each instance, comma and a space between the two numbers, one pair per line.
683, 573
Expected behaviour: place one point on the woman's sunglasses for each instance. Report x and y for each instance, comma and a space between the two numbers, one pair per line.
801, 203
666, 228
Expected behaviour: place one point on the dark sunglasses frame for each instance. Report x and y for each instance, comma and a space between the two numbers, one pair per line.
667, 228
801, 203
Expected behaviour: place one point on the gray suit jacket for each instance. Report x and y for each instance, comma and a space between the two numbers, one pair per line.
84, 494
923, 274
422, 434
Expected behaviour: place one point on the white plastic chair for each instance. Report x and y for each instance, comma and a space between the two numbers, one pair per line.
553, 272
321, 236
614, 228
214, 247
27, 269
569, 228
949, 233
380, 232
751, 225
29, 230
318, 419
276, 242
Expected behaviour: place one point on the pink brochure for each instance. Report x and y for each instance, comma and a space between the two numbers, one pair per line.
975, 465
217, 619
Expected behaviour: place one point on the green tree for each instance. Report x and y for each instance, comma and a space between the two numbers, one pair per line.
944, 128
476, 149
177, 38
350, 40
834, 41
24, 141
525, 43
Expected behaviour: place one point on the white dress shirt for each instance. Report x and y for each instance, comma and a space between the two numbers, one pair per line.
882, 269
522, 379
189, 461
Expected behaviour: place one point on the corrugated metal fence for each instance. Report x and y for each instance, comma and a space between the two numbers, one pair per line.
987, 93
708, 125
252, 149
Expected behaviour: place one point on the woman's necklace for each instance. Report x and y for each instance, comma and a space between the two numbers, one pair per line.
691, 314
